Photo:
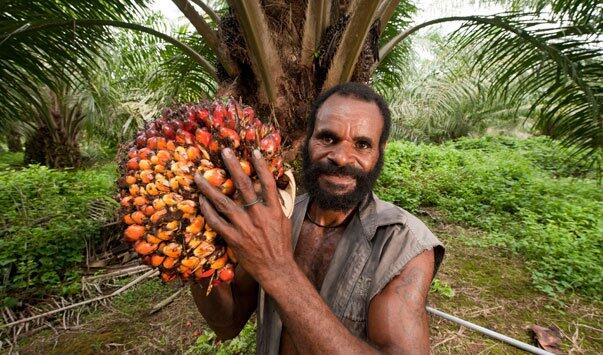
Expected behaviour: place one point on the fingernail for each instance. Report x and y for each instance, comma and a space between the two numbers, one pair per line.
257, 154
227, 152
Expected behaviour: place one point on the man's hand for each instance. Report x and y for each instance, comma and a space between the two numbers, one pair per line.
259, 234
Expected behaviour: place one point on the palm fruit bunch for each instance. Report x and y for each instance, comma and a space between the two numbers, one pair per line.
158, 196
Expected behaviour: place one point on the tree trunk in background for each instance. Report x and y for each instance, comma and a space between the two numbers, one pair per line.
44, 149
302, 79
13, 141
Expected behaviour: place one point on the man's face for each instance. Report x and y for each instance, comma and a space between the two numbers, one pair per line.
342, 159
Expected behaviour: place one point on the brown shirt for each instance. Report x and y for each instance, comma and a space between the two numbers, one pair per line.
376, 245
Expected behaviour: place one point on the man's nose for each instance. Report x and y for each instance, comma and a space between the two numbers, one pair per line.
341, 155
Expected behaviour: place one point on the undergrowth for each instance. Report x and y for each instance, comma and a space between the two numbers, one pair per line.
44, 228
515, 197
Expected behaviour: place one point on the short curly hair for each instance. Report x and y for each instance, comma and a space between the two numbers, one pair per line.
358, 91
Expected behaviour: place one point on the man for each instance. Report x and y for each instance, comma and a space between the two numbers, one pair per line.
348, 273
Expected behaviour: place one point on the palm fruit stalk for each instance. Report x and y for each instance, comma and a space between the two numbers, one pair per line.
158, 196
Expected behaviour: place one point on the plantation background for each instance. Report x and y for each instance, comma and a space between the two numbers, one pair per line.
490, 146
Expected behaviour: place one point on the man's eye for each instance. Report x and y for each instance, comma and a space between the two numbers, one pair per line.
327, 140
363, 145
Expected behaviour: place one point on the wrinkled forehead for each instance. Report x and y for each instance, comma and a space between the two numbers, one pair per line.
349, 115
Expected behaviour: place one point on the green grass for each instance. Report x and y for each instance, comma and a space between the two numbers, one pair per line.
10, 160
552, 222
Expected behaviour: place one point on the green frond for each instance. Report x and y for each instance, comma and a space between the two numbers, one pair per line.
555, 66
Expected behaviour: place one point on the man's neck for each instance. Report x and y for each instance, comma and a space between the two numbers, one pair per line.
326, 217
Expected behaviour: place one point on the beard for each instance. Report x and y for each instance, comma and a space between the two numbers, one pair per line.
325, 199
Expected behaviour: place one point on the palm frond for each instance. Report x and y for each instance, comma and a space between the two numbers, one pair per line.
559, 66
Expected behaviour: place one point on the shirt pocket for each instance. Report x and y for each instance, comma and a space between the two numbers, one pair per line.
355, 313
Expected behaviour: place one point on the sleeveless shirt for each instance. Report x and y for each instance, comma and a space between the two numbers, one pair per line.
376, 245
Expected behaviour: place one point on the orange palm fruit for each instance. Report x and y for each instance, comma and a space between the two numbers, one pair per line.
173, 250
158, 215
246, 166
169, 263
134, 232
140, 201
196, 225
163, 185
226, 273
227, 187
167, 277
138, 217
158, 168
186, 206
158, 204
152, 239
161, 143
128, 219
144, 248
194, 242
156, 260
180, 154
200, 273
126, 201
174, 184
172, 225
144, 164
193, 153
191, 262
152, 142
203, 249
210, 235
215, 176
163, 157
144, 153
148, 210
130, 180
151, 189
172, 199
170, 146
132, 164
164, 235
134, 190
147, 176
219, 262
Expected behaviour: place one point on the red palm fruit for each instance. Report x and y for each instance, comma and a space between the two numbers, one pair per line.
200, 274
232, 115
185, 272
169, 263
246, 166
202, 116
164, 156
268, 145
152, 143
190, 125
226, 274
132, 164
128, 219
156, 260
144, 153
276, 167
155, 217
249, 134
227, 187
167, 276
215, 176
172, 250
168, 131
184, 137
177, 124
138, 217
231, 136
140, 201
141, 140
214, 146
131, 179
248, 115
218, 116
148, 210
203, 136
151, 132
133, 233
144, 248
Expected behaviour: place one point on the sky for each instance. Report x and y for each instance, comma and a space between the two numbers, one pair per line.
428, 9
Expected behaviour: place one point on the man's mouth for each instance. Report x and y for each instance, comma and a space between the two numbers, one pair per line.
339, 180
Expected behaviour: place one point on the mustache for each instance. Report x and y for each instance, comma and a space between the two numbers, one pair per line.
319, 168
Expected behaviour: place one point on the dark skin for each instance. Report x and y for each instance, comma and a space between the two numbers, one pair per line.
347, 131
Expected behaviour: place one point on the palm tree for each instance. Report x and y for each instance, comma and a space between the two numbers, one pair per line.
279, 55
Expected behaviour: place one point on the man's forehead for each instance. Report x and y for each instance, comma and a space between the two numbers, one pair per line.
340, 111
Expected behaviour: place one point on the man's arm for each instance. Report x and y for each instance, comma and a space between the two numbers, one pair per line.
229, 305
397, 322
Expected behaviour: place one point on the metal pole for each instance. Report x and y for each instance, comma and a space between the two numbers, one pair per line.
516, 343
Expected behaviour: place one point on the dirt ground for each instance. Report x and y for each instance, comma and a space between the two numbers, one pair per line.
486, 286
